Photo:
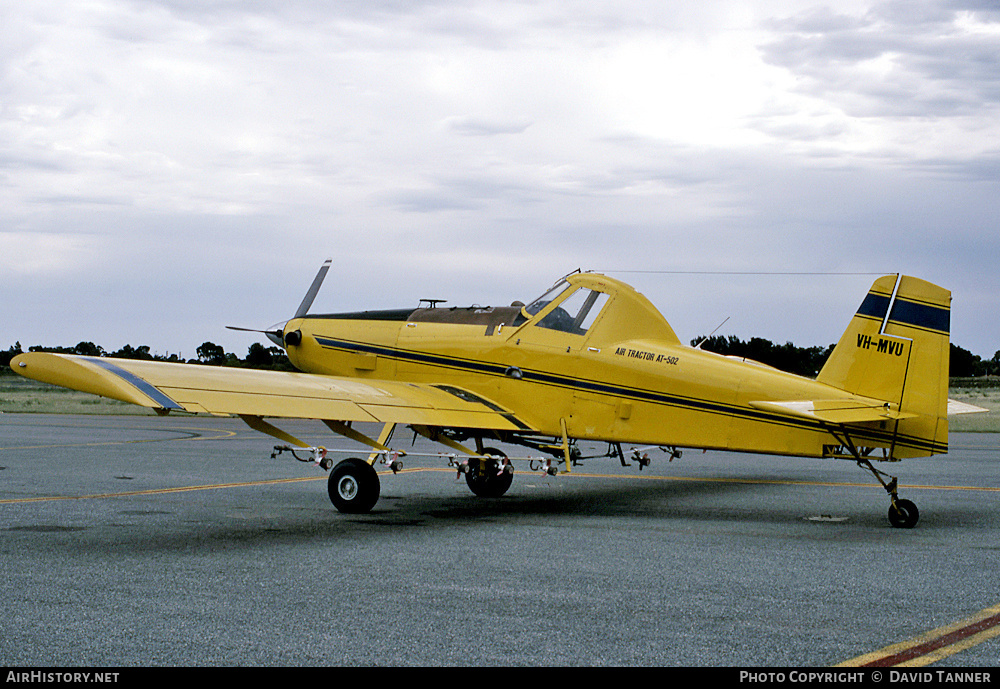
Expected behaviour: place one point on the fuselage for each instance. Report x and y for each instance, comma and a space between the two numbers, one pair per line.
615, 373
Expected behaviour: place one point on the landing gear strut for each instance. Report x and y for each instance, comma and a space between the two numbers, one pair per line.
903, 514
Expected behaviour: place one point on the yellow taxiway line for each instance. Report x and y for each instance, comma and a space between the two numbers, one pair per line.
160, 491
693, 479
934, 645
189, 434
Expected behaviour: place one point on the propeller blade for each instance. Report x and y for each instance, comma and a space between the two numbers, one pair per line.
247, 330
276, 336
313, 289
276, 333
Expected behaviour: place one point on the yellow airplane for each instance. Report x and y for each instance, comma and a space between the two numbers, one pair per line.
591, 360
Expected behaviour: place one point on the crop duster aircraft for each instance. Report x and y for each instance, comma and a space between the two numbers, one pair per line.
591, 359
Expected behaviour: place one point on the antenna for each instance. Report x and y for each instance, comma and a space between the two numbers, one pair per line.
698, 346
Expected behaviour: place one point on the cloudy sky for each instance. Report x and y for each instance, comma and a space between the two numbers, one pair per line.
171, 167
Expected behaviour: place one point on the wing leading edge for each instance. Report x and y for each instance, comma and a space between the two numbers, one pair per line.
248, 392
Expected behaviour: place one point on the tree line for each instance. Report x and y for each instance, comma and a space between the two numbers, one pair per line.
209, 354
804, 361
807, 361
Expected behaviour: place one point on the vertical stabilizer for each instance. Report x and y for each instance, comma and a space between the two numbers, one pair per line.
896, 349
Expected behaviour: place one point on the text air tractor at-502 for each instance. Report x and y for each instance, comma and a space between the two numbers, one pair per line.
591, 359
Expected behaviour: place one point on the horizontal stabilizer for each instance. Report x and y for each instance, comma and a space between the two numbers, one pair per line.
956, 407
853, 410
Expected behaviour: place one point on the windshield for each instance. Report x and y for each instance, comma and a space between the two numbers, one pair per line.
539, 304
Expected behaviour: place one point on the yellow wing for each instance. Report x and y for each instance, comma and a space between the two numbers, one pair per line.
247, 392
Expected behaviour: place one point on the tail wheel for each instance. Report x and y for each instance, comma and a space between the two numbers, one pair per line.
903, 514
354, 486
489, 477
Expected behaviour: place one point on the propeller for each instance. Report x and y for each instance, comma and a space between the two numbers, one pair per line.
313, 289
274, 335
276, 332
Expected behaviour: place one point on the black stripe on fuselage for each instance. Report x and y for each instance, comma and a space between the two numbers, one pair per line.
619, 391
408, 355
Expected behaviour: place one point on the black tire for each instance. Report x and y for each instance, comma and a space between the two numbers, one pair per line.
354, 486
904, 514
485, 477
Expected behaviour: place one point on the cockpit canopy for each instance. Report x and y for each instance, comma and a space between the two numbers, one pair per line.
575, 314
581, 298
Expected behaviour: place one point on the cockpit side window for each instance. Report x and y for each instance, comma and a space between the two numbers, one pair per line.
577, 313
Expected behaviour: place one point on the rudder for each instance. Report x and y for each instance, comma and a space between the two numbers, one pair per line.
897, 349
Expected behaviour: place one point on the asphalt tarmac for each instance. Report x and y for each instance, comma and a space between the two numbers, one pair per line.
145, 541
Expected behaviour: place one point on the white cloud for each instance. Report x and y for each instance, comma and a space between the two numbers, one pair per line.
206, 151
44, 255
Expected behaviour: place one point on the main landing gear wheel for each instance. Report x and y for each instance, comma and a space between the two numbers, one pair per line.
354, 486
490, 477
903, 514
